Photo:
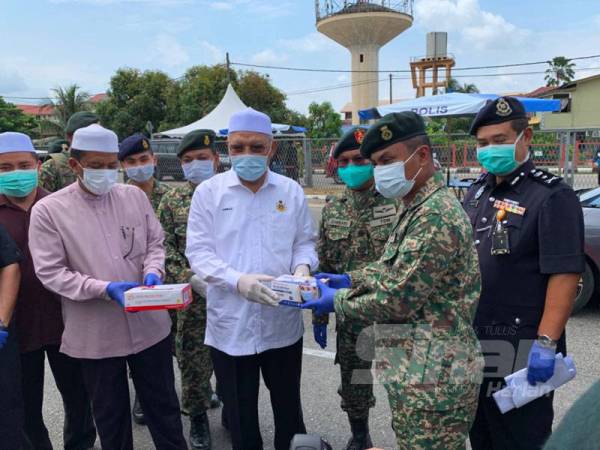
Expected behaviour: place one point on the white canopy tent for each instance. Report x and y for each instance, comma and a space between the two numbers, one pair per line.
218, 119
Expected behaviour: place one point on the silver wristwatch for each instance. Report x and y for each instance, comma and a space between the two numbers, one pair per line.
546, 341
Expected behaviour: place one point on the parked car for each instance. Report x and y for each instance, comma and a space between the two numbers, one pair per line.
590, 280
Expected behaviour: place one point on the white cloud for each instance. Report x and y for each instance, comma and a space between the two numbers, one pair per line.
216, 54
11, 82
221, 6
482, 30
112, 2
311, 43
268, 57
170, 51
342, 78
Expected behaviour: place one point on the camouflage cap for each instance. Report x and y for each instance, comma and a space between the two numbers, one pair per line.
503, 109
350, 141
392, 128
195, 140
57, 146
80, 120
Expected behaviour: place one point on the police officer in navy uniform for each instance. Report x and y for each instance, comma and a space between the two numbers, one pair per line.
528, 230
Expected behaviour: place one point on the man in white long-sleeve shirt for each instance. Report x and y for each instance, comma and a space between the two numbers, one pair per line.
246, 226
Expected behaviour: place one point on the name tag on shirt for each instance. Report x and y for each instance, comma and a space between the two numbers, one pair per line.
339, 223
384, 211
382, 221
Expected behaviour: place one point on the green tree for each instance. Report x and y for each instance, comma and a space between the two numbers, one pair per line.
13, 119
324, 122
466, 88
66, 101
134, 99
256, 91
561, 71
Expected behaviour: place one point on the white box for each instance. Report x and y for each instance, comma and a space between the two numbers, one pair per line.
293, 291
150, 298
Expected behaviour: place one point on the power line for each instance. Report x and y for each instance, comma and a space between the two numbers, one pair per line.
306, 69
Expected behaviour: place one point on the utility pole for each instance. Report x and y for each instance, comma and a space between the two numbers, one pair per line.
228, 63
391, 93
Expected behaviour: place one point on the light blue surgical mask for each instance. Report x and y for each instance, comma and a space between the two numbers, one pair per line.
99, 181
391, 182
198, 171
249, 167
140, 173
500, 159
18, 183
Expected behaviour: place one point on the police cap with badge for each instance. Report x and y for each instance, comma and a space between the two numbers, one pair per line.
503, 109
390, 129
197, 140
137, 143
352, 140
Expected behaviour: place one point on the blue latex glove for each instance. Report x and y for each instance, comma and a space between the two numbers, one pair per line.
320, 332
540, 365
3, 337
152, 280
324, 304
116, 290
336, 281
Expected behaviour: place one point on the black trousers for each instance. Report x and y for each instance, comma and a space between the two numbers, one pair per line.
79, 432
11, 400
152, 372
525, 428
239, 381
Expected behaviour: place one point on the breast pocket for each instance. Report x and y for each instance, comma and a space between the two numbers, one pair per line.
514, 225
282, 230
133, 242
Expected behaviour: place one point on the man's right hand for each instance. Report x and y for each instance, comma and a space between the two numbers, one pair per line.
116, 290
250, 287
336, 281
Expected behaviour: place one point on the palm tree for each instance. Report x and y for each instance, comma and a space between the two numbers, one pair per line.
467, 88
561, 70
67, 101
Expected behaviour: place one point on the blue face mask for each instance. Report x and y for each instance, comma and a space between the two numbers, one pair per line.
140, 173
249, 167
18, 183
391, 182
500, 159
198, 171
100, 181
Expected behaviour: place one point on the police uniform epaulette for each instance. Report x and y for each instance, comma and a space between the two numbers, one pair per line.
481, 178
544, 177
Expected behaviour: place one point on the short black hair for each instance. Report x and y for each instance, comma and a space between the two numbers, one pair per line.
519, 125
418, 141
76, 154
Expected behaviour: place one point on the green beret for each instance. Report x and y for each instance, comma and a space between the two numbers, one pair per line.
350, 141
392, 128
195, 140
57, 146
503, 109
79, 120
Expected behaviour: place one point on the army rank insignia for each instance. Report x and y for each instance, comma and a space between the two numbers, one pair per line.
281, 206
510, 206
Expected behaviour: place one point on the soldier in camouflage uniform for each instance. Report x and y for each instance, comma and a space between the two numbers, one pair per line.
354, 229
199, 160
56, 173
422, 294
139, 162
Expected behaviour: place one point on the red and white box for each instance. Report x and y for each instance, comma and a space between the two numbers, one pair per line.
154, 298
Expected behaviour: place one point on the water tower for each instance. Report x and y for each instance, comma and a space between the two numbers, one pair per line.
363, 27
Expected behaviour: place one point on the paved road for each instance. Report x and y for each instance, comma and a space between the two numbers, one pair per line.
321, 379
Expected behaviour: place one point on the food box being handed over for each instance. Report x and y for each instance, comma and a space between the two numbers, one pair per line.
152, 298
293, 291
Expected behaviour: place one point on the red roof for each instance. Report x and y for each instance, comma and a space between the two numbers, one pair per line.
97, 98
540, 91
36, 110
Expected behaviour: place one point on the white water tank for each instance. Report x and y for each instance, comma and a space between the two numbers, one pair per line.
437, 44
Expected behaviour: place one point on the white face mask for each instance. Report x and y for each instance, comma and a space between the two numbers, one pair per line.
99, 181
198, 171
390, 180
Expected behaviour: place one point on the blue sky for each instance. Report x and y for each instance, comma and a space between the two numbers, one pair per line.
48, 43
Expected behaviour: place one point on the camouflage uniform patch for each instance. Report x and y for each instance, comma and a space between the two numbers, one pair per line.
56, 173
349, 240
422, 294
193, 356
158, 191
